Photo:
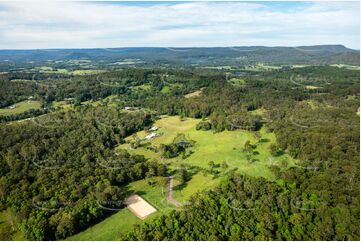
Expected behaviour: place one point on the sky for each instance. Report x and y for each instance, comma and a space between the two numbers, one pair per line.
96, 24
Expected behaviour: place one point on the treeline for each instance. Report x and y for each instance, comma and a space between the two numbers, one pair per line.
60, 173
54, 87
25, 115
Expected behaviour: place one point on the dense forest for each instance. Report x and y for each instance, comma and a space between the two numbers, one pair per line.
59, 168
76, 145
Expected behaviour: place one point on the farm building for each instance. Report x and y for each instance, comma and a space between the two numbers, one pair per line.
130, 108
152, 135
153, 128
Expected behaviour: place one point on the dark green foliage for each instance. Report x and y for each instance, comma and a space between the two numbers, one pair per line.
59, 176
203, 126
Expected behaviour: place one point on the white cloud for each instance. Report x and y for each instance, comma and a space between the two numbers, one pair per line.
94, 24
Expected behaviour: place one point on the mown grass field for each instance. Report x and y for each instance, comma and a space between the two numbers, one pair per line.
109, 228
226, 146
198, 182
123, 221
21, 107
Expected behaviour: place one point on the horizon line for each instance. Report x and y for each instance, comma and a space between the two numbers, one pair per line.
177, 47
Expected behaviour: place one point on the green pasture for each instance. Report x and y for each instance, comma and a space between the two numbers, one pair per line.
20, 107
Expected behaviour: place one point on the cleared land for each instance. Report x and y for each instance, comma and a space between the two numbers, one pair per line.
139, 206
261, 67
237, 81
109, 228
198, 182
193, 94
48, 69
350, 67
21, 107
123, 221
217, 147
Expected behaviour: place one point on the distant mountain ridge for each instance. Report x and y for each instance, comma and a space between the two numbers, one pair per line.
318, 54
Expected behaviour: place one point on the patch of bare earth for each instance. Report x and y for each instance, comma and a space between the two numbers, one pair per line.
139, 207
193, 94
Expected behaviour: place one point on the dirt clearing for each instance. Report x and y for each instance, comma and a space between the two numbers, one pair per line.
193, 94
139, 206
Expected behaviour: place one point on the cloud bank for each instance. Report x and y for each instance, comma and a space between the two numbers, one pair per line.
26, 25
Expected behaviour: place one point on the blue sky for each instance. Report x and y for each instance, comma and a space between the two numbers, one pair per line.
96, 24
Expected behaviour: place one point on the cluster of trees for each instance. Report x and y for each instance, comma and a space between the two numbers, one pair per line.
60, 174
177, 147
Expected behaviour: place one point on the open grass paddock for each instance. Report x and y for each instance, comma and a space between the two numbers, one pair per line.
21, 107
226, 146
217, 147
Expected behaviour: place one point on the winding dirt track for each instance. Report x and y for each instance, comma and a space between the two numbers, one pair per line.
170, 197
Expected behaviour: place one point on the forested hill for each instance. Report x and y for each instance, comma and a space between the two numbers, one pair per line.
320, 54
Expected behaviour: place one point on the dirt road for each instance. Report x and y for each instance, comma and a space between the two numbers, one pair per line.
170, 197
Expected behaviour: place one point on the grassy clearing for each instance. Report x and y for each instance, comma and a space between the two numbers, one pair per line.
309, 87
198, 182
237, 81
154, 194
61, 104
261, 67
48, 69
7, 229
21, 107
128, 62
299, 66
109, 228
350, 67
218, 67
226, 146
165, 89
123, 221
86, 72
144, 87
259, 111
